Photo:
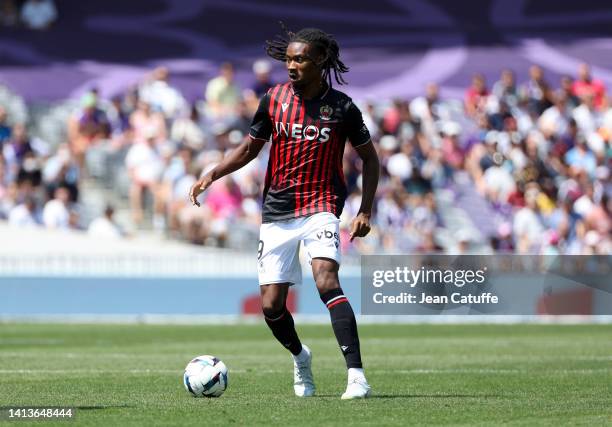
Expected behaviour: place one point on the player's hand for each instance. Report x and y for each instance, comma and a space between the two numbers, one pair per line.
360, 227
198, 188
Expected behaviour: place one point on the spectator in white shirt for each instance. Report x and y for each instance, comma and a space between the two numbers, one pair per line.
587, 117
163, 97
554, 120
104, 227
24, 214
145, 168
56, 213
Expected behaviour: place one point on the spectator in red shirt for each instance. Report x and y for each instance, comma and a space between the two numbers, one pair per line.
476, 95
586, 84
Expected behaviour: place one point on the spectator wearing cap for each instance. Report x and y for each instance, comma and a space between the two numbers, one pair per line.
498, 181
88, 126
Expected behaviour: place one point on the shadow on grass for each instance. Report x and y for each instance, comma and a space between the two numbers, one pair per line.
102, 407
442, 396
418, 396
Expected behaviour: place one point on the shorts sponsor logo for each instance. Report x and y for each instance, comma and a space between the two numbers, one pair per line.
327, 234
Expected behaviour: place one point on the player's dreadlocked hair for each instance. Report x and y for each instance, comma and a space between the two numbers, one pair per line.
321, 41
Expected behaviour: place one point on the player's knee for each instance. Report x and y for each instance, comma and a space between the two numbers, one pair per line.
325, 273
327, 281
272, 308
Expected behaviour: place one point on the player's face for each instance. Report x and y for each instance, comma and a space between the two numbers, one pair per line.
301, 65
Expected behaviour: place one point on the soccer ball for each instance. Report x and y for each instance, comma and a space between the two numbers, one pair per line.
205, 376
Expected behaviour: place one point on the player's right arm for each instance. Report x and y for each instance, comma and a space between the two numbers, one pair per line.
239, 157
261, 129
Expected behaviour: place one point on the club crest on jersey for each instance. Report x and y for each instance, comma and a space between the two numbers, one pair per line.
284, 106
326, 112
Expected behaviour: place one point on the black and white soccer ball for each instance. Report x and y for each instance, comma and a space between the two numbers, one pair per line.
205, 376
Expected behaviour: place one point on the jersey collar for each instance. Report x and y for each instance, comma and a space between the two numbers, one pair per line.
322, 94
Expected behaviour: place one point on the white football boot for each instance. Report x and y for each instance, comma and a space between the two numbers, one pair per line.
357, 388
303, 382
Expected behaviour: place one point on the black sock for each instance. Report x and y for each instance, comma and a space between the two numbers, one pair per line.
344, 325
283, 328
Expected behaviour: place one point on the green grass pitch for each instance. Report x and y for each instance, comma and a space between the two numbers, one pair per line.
118, 375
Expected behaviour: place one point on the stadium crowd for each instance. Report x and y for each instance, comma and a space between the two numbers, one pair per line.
537, 157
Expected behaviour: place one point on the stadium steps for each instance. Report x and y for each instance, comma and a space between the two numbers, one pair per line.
95, 196
475, 206
458, 220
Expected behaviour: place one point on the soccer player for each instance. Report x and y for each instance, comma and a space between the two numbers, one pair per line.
304, 193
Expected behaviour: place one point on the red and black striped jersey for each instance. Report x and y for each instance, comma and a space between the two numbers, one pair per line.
304, 174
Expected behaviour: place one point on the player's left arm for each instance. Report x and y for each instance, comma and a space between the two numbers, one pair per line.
359, 136
360, 226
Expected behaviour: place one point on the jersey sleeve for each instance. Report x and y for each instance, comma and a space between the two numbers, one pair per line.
261, 126
357, 132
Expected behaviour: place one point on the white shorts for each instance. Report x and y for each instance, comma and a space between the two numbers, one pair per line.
278, 259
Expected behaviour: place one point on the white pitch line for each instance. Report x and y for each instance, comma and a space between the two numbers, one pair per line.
279, 371
149, 355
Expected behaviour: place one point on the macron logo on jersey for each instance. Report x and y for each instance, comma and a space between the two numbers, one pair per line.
284, 106
298, 131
